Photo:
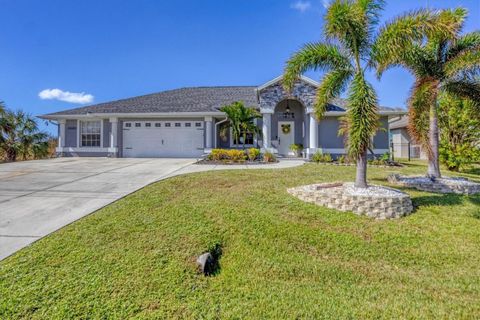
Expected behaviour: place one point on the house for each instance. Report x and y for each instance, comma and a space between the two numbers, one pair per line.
187, 122
402, 144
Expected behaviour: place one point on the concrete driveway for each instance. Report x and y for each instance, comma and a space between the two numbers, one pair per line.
39, 197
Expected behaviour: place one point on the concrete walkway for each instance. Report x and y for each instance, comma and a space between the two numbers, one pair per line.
39, 197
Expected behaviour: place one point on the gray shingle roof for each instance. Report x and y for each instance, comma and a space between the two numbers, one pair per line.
196, 99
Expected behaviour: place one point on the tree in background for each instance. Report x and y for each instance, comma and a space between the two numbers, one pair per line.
20, 136
441, 60
241, 120
460, 132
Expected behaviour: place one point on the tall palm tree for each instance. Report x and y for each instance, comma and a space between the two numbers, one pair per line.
241, 120
20, 136
345, 55
442, 61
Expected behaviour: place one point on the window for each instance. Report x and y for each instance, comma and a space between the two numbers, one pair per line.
148, 124
188, 124
248, 139
178, 124
138, 124
168, 124
158, 124
128, 125
90, 133
198, 124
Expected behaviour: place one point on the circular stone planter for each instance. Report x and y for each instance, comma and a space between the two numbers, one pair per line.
440, 185
375, 201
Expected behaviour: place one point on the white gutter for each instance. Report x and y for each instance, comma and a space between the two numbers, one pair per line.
216, 130
133, 115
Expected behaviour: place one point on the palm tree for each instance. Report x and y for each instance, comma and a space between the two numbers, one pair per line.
345, 55
20, 136
241, 120
442, 61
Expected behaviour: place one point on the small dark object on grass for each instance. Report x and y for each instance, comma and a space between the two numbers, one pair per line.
208, 262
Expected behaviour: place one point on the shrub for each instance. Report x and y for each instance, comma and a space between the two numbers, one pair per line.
236, 155
342, 159
320, 157
296, 147
218, 155
253, 154
269, 157
385, 157
226, 154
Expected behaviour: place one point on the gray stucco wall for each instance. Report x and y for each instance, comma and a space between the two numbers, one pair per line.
328, 133
106, 133
71, 133
380, 141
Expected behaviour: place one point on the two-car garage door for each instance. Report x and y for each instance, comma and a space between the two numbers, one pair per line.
162, 139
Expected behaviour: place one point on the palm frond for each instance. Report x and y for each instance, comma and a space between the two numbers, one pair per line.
348, 22
362, 118
414, 27
465, 62
313, 56
466, 42
422, 96
464, 88
331, 86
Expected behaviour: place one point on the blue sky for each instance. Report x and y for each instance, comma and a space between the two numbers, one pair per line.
117, 49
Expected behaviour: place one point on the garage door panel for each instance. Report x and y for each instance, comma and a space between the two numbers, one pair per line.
163, 141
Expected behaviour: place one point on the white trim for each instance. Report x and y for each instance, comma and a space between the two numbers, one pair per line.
382, 113
279, 78
343, 151
84, 149
186, 115
134, 115
101, 133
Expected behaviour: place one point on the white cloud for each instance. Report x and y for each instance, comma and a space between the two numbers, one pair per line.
72, 97
325, 3
301, 6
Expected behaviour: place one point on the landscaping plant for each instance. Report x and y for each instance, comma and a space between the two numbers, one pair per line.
460, 132
253, 154
20, 136
269, 157
241, 121
441, 60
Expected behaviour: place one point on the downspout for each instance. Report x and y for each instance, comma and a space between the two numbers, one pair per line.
216, 130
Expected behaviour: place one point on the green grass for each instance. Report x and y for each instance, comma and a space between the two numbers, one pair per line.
282, 258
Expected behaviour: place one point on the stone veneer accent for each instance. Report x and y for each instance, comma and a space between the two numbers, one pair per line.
441, 185
332, 195
302, 91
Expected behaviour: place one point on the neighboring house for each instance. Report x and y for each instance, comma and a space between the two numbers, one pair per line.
401, 142
187, 122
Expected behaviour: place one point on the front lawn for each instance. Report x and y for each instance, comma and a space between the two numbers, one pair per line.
282, 258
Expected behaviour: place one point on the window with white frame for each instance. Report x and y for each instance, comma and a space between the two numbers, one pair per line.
90, 133
247, 136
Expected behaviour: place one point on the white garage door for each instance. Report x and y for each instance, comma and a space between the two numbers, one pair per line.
144, 139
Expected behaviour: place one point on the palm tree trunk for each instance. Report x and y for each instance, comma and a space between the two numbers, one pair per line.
361, 178
433, 161
11, 155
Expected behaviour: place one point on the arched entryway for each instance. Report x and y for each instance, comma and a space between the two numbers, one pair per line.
288, 126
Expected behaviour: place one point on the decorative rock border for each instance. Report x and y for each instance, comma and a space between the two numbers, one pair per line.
375, 201
441, 185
